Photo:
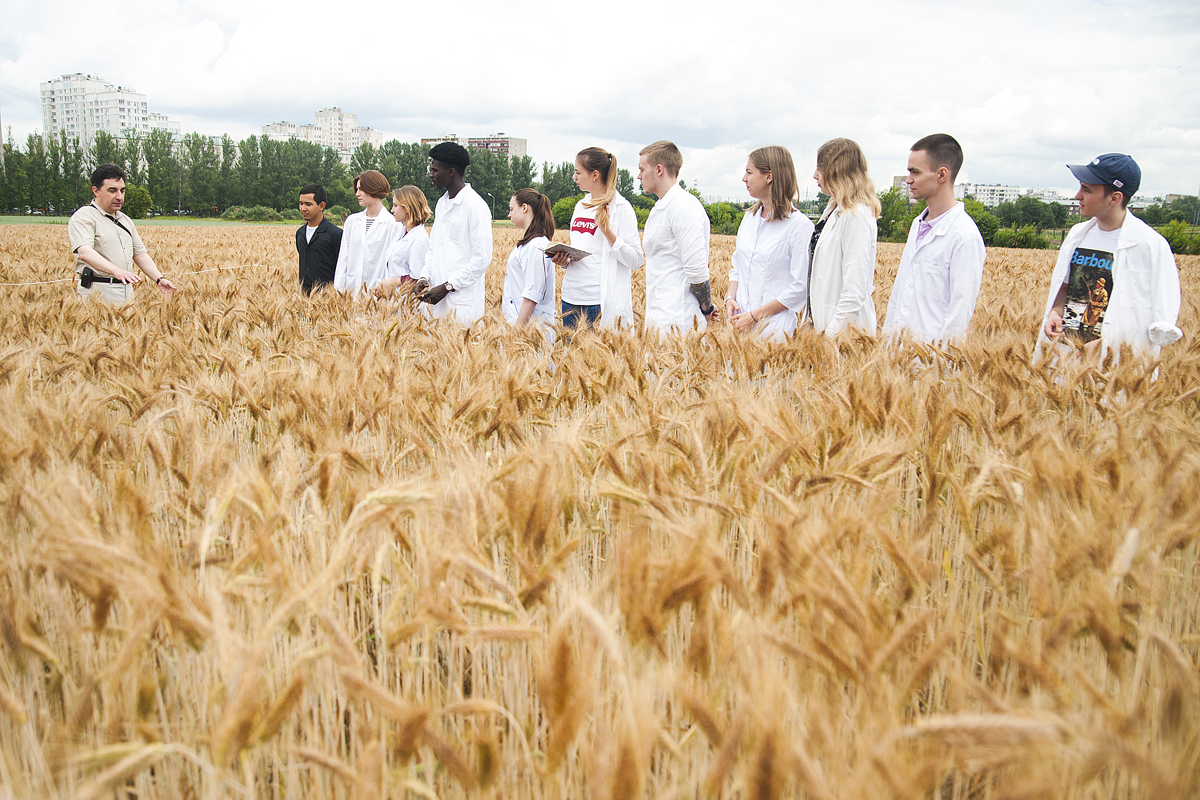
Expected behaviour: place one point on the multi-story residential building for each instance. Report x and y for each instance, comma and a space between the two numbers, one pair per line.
497, 143
83, 105
333, 128
990, 195
901, 182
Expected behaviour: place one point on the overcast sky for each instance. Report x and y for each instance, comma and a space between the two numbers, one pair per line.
1026, 87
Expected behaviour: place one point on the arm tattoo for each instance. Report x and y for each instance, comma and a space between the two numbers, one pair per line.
703, 293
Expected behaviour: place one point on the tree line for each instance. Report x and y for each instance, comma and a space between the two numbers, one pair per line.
260, 177
198, 175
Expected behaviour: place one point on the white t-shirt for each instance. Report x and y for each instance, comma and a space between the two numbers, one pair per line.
309, 230
581, 279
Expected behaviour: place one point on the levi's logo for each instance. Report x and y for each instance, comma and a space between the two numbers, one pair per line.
584, 226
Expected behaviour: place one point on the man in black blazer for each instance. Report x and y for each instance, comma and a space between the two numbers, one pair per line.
317, 241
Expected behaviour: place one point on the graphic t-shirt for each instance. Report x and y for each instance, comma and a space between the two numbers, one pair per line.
581, 281
1089, 284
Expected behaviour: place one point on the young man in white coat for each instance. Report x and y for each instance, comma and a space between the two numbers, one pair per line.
941, 268
460, 246
1131, 257
678, 288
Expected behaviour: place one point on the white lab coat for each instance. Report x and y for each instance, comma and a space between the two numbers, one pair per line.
1143, 305
362, 259
460, 250
843, 272
938, 283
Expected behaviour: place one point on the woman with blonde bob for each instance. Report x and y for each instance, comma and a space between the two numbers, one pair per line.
843, 244
406, 258
600, 286
366, 237
768, 285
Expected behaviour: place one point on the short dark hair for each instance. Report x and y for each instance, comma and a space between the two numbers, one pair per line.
106, 172
452, 154
316, 190
944, 151
1108, 190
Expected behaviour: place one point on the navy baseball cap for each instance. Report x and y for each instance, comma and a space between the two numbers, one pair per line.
1119, 171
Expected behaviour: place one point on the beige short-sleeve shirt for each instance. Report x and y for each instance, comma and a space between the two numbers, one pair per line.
89, 225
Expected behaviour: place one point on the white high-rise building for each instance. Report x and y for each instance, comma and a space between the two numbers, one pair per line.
334, 128
82, 105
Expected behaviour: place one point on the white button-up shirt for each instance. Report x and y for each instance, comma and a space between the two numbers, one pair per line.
530, 275
938, 282
460, 250
408, 253
676, 245
770, 262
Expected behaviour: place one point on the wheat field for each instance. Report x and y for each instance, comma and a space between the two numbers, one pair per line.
257, 545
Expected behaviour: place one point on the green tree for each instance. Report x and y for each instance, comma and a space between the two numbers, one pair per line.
131, 157
364, 157
37, 172
491, 176
75, 182
161, 169
564, 209
987, 222
896, 215
1179, 236
625, 185
137, 201
1188, 207
412, 167
106, 149
557, 182
522, 173
226, 189
248, 172
201, 167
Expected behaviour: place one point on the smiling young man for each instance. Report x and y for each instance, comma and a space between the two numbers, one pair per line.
1142, 305
460, 245
106, 243
317, 241
941, 268
678, 288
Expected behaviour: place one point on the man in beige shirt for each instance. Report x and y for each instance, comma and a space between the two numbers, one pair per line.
106, 244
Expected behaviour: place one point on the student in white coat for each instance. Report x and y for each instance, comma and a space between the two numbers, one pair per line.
768, 285
460, 246
529, 277
941, 268
599, 288
1142, 308
678, 287
366, 237
406, 258
844, 242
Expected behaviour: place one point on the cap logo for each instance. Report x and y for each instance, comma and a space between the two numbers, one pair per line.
1118, 184
1095, 161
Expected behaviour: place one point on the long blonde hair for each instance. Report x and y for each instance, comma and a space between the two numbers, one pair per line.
595, 159
844, 174
778, 162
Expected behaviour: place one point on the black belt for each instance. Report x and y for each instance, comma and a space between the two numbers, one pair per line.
98, 279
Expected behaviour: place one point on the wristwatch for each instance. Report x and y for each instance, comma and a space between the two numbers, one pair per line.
449, 286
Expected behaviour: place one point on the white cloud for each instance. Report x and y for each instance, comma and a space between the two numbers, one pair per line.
1025, 86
